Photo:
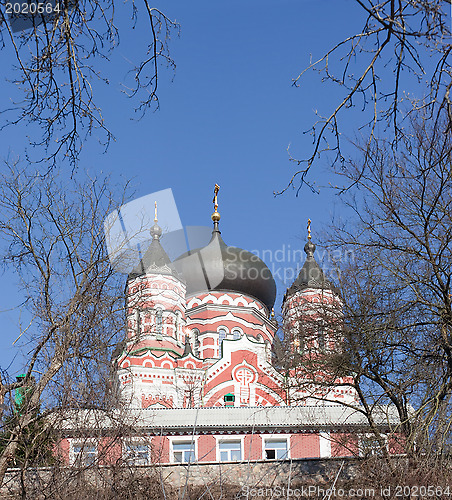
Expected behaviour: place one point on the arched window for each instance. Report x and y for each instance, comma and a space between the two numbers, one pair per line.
137, 322
300, 338
177, 332
196, 342
299, 345
159, 320
321, 338
222, 332
236, 333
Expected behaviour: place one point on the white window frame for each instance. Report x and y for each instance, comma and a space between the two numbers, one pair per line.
183, 439
224, 438
276, 437
220, 331
325, 444
364, 451
196, 342
159, 321
136, 442
73, 455
235, 331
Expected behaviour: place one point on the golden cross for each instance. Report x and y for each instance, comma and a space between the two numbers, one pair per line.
215, 198
155, 212
309, 229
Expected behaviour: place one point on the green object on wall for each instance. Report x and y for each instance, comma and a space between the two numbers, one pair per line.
229, 399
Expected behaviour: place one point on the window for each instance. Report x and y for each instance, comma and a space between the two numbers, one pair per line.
321, 338
299, 345
229, 399
222, 331
275, 449
138, 321
230, 451
159, 320
236, 334
84, 454
136, 453
196, 342
184, 451
177, 332
370, 446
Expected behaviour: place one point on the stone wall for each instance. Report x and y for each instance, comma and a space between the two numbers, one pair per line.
260, 472
252, 474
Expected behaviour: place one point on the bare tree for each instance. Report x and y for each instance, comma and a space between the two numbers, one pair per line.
395, 328
56, 69
52, 231
396, 64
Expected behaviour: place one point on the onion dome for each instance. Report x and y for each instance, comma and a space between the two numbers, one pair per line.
311, 274
155, 259
219, 267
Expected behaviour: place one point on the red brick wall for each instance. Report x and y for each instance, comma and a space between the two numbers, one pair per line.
207, 449
208, 353
160, 449
305, 445
344, 445
61, 451
110, 450
396, 444
252, 447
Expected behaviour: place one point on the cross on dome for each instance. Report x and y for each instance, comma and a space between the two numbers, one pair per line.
156, 230
215, 215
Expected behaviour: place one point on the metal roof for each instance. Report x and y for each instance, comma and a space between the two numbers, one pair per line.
229, 419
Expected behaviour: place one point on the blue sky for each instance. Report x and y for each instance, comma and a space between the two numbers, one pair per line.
226, 117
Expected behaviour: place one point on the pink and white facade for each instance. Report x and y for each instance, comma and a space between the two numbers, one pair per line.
196, 370
188, 346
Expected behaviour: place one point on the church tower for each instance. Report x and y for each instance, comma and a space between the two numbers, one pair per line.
306, 305
312, 318
156, 328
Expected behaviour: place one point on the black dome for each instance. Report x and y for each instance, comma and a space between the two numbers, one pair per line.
218, 266
310, 276
155, 259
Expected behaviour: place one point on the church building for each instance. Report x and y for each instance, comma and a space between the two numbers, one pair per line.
198, 369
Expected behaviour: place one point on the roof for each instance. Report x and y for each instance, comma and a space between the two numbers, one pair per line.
155, 260
311, 274
230, 419
187, 348
220, 267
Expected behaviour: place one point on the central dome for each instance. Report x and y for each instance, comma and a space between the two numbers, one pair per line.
218, 266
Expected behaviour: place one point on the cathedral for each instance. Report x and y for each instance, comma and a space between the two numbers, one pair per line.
198, 376
194, 345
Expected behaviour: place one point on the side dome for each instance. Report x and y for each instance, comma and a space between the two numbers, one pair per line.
310, 276
155, 260
218, 266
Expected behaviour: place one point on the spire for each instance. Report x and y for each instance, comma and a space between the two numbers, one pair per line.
309, 248
155, 259
156, 230
311, 274
215, 215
